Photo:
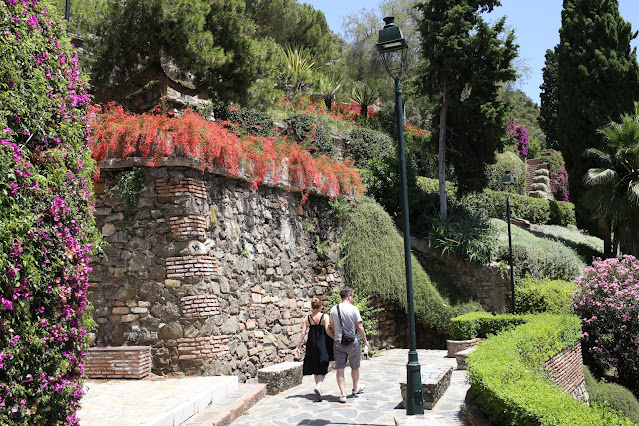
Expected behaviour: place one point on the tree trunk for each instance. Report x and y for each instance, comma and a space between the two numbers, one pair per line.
328, 101
363, 110
443, 210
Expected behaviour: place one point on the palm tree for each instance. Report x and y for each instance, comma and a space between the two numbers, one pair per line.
613, 196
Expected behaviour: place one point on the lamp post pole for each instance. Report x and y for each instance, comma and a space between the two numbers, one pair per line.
510, 250
67, 10
392, 47
414, 397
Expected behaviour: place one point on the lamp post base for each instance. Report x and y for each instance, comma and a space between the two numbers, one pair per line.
414, 397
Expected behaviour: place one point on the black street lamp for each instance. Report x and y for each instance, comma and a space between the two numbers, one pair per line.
393, 49
509, 180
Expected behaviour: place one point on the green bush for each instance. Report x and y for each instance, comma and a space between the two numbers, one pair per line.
482, 324
367, 144
536, 210
511, 386
383, 182
372, 261
538, 257
247, 121
468, 235
538, 296
507, 162
313, 132
612, 395
47, 231
368, 313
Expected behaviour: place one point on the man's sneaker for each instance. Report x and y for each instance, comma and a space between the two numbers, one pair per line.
359, 390
342, 399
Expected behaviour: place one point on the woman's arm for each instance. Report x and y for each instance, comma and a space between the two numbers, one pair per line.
296, 353
327, 327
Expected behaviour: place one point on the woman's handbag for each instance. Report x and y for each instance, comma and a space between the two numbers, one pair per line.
347, 336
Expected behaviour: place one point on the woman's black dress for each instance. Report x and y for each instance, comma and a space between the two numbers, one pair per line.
319, 349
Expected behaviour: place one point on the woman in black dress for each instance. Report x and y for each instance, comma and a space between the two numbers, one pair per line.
319, 346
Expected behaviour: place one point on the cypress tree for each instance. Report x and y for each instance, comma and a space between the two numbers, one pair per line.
597, 78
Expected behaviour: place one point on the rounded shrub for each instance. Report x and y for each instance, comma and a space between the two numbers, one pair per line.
612, 395
607, 301
538, 296
314, 132
367, 144
558, 174
507, 162
47, 230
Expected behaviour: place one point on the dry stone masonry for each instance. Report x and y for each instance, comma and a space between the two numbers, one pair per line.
212, 275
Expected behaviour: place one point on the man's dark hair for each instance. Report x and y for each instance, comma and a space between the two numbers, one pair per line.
345, 292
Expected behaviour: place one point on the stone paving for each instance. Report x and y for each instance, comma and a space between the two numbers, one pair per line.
162, 401
157, 401
380, 404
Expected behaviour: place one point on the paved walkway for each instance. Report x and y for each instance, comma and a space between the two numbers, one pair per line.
161, 401
378, 405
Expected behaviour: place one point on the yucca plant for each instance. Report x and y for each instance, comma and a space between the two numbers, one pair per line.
364, 96
298, 69
326, 89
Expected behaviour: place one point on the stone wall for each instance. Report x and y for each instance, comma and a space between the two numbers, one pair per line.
213, 275
487, 283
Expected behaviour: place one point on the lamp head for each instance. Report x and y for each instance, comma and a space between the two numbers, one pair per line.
508, 179
392, 47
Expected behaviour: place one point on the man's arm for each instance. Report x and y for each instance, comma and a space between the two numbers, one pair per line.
362, 333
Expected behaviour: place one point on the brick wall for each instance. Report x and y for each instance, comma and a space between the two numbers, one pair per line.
190, 348
181, 187
566, 370
122, 362
190, 266
187, 226
204, 305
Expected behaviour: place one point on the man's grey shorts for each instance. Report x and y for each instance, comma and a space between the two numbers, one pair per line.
352, 353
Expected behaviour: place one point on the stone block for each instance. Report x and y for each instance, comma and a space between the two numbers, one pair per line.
435, 381
280, 377
455, 346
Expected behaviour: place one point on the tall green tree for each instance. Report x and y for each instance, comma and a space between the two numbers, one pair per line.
597, 80
209, 44
548, 96
465, 61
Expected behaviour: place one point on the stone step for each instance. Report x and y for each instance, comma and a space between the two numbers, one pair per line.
224, 411
461, 357
435, 381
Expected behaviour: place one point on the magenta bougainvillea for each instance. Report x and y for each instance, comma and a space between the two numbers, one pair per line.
520, 135
607, 300
46, 218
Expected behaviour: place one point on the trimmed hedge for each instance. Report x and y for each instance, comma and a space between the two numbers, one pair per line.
539, 296
612, 395
313, 131
250, 122
535, 210
511, 385
482, 324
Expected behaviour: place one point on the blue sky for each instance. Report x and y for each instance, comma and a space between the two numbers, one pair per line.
536, 25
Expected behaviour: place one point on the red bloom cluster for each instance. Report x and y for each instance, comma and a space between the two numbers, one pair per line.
119, 134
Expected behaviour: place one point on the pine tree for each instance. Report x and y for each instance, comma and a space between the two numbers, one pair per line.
210, 43
597, 79
465, 60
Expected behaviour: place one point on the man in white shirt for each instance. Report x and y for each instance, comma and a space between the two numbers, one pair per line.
347, 318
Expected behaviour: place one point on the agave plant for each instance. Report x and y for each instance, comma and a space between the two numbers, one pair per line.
364, 96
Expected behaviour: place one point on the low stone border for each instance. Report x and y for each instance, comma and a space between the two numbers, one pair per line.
280, 377
455, 346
